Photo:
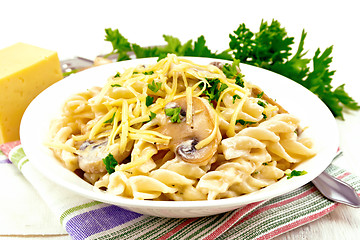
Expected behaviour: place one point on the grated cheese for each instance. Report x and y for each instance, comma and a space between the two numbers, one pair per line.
178, 78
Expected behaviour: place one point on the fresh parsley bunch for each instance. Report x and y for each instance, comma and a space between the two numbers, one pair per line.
269, 48
123, 47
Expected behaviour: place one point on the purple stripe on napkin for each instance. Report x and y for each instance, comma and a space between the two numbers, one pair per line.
95, 221
7, 161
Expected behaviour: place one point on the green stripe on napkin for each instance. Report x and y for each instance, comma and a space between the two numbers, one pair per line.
18, 157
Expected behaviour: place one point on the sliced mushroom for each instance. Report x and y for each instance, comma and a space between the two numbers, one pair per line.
90, 156
92, 153
188, 150
184, 136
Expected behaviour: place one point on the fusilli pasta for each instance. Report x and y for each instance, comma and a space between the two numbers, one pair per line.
176, 130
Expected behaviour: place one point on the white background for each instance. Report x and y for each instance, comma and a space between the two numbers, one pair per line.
76, 28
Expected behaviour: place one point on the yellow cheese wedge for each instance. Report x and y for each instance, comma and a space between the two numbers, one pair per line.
25, 71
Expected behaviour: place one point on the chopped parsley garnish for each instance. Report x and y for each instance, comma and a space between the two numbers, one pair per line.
264, 115
149, 100
243, 122
152, 116
223, 86
154, 86
117, 75
174, 114
110, 163
239, 81
213, 89
260, 95
236, 97
295, 173
261, 103
231, 71
115, 85
110, 120
148, 73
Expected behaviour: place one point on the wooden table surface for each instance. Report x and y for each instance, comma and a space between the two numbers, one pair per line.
76, 28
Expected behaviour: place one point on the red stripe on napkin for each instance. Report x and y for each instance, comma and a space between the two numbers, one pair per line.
286, 201
297, 223
178, 228
230, 222
6, 147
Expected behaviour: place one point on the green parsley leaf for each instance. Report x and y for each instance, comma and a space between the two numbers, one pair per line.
260, 95
297, 67
242, 43
110, 163
345, 99
174, 114
110, 120
174, 46
144, 52
223, 86
152, 116
115, 85
231, 71
154, 86
201, 50
121, 45
295, 173
264, 48
239, 81
149, 100
148, 73
236, 97
117, 75
243, 122
261, 103
213, 89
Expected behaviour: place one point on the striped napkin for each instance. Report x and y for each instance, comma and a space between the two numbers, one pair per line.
87, 219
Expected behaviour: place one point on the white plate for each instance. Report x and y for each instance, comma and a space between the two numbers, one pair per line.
292, 96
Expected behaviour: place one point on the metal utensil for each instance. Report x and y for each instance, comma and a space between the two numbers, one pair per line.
76, 63
336, 190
